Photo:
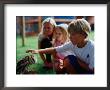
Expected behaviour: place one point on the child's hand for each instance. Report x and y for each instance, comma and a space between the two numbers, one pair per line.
32, 51
61, 63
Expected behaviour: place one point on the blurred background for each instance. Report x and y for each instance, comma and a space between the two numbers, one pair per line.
27, 30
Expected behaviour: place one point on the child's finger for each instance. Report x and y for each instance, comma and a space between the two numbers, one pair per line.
28, 51
33, 52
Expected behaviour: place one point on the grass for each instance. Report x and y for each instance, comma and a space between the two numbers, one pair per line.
31, 43
91, 35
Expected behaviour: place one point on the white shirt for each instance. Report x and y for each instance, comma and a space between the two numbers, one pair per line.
86, 53
62, 55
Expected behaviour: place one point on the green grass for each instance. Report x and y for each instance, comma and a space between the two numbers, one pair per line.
91, 35
31, 43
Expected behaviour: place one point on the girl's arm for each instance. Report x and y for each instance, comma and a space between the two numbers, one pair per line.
41, 55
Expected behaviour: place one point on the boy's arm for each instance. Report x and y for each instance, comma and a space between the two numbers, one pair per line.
46, 50
84, 65
52, 50
59, 49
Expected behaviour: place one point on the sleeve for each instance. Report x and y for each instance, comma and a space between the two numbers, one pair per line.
66, 47
91, 64
66, 53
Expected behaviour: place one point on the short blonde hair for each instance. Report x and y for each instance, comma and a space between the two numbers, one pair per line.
63, 27
79, 25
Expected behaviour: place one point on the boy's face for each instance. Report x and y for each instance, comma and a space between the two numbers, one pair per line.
48, 29
76, 38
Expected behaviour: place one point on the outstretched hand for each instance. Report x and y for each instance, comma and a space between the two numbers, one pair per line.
32, 51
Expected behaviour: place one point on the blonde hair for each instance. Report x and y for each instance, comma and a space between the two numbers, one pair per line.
48, 20
63, 28
80, 26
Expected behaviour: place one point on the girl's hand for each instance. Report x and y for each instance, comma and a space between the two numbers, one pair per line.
32, 51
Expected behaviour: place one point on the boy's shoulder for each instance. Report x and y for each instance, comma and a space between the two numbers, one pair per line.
90, 45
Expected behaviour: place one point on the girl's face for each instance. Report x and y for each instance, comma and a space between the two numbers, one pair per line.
76, 38
48, 29
58, 34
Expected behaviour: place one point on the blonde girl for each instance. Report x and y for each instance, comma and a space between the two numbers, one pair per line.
60, 37
45, 39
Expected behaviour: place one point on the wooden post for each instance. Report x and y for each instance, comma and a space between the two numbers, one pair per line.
20, 23
23, 31
39, 23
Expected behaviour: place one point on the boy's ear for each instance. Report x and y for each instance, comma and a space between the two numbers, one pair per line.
84, 34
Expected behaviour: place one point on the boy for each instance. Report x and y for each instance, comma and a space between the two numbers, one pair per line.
83, 60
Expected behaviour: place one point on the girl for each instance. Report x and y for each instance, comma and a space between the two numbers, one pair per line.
60, 36
45, 39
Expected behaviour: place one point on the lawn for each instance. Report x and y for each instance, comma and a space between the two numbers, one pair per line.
31, 43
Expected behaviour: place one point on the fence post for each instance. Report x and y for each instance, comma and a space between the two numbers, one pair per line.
22, 29
39, 23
